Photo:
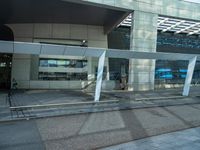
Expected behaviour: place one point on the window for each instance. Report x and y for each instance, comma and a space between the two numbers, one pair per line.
65, 63
62, 76
44, 63
61, 63
174, 71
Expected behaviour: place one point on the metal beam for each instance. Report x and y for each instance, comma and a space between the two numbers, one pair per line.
193, 32
186, 28
52, 49
188, 79
162, 21
99, 76
173, 26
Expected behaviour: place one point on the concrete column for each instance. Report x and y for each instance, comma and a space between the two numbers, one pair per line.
21, 66
143, 39
34, 67
91, 74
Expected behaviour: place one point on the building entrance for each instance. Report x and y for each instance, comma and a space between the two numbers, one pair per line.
5, 71
6, 34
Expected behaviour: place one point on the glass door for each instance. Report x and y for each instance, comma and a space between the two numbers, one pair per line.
5, 71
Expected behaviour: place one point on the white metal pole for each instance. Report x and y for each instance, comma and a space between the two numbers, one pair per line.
99, 76
188, 80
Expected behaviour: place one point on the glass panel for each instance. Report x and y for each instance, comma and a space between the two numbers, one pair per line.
104, 72
52, 63
62, 75
67, 63
79, 64
61, 63
43, 63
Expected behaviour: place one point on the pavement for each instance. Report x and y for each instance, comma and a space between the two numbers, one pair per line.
100, 130
181, 140
62, 102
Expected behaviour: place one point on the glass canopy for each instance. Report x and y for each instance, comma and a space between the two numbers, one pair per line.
175, 25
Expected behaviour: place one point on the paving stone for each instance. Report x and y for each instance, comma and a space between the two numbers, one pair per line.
170, 142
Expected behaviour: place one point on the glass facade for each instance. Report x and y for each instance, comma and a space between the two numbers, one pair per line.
179, 41
62, 63
104, 72
65, 63
174, 71
166, 71
119, 39
62, 76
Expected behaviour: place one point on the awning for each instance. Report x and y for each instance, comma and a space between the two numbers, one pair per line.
166, 24
60, 11
52, 49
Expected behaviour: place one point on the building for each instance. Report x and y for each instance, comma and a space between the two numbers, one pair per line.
87, 23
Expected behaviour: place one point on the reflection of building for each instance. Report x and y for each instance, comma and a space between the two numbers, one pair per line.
165, 71
62, 69
92, 24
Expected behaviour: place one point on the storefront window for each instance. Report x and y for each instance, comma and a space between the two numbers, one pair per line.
62, 76
63, 63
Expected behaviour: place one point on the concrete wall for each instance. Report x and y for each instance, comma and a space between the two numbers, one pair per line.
24, 68
173, 8
21, 67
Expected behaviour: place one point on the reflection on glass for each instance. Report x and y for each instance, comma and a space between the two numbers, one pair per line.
43, 63
62, 76
63, 63
52, 63
174, 71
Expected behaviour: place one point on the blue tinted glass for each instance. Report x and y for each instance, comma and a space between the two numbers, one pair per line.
43, 63
61, 63
52, 63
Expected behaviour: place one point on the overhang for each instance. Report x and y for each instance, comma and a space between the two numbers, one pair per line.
53, 49
60, 11
174, 25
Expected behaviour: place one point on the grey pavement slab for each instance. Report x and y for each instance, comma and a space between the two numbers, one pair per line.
181, 140
60, 127
37, 97
98, 130
127, 100
20, 136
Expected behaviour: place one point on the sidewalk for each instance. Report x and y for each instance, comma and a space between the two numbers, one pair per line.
181, 140
91, 131
44, 103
